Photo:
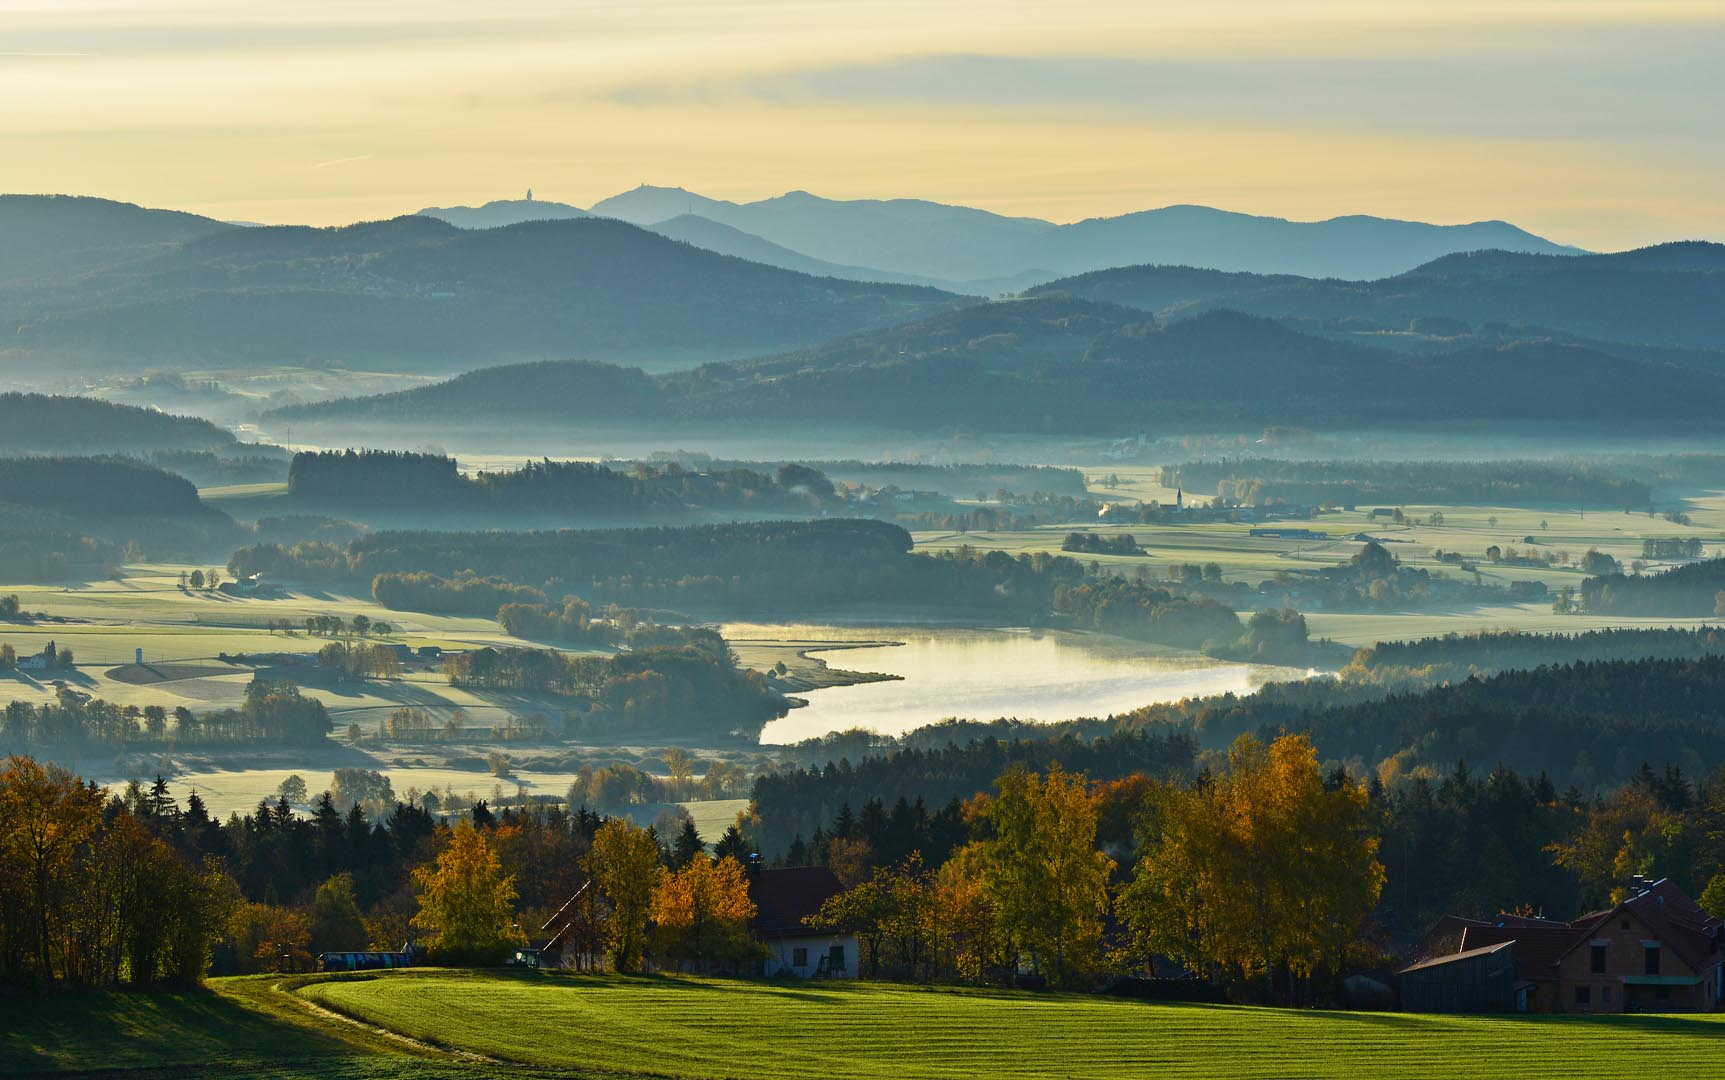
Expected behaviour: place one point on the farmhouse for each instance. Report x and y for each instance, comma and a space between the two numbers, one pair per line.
784, 899
245, 585
1657, 951
48, 658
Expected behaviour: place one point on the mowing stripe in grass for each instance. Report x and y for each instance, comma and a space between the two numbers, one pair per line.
719, 1029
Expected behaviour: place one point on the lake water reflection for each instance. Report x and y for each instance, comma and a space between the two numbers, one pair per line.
1041, 675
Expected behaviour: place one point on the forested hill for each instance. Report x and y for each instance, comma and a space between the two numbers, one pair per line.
417, 292
1590, 723
96, 488
1670, 294
1061, 365
49, 236
41, 423
1687, 591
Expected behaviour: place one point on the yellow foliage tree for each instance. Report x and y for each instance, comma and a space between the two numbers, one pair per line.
1047, 882
466, 902
1259, 872
624, 864
701, 913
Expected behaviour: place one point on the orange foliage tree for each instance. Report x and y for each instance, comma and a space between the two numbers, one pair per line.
701, 913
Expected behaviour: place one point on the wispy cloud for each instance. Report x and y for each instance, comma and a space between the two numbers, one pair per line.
333, 162
1667, 86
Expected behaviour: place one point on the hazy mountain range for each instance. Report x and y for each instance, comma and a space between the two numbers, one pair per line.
140, 288
87, 283
967, 250
1062, 363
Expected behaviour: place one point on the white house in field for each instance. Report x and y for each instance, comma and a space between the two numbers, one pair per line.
784, 898
42, 661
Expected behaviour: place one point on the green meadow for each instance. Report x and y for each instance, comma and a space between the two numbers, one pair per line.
478, 1023
456, 1023
825, 1031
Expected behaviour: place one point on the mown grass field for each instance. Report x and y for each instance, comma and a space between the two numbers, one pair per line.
710, 1028
245, 1028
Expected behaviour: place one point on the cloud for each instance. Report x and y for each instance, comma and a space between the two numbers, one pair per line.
1656, 82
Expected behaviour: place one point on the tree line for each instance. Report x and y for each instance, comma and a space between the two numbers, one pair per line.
1455, 656
91, 894
690, 685
1259, 877
783, 566
1693, 590
390, 477
1267, 481
272, 711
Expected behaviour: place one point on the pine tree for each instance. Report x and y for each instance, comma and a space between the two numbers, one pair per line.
687, 846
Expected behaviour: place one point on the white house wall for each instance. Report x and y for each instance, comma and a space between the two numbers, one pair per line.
780, 952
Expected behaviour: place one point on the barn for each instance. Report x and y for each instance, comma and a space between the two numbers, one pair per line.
1476, 980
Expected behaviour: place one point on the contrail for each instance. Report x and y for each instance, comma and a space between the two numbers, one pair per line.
337, 161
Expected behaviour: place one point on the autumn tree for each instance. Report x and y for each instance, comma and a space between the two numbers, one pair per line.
624, 864
865, 909
466, 902
46, 815
701, 913
1041, 870
965, 927
1262, 873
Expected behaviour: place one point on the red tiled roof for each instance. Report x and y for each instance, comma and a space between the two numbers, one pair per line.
1677, 921
785, 897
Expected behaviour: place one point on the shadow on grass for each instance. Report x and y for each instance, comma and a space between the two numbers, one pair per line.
90, 1031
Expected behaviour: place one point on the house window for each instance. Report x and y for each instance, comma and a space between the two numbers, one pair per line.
1599, 959
1584, 995
800, 957
1650, 960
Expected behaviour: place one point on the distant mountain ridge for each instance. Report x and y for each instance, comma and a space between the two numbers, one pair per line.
418, 293
1669, 295
969, 250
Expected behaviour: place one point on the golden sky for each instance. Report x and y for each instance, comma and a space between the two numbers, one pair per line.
1595, 122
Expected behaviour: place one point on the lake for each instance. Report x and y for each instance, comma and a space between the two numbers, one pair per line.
1045, 675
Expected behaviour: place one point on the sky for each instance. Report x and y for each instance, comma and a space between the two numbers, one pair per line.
1594, 122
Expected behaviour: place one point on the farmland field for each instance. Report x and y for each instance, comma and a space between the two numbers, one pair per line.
711, 1028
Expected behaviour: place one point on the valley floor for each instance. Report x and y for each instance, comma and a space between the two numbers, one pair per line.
461, 1024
